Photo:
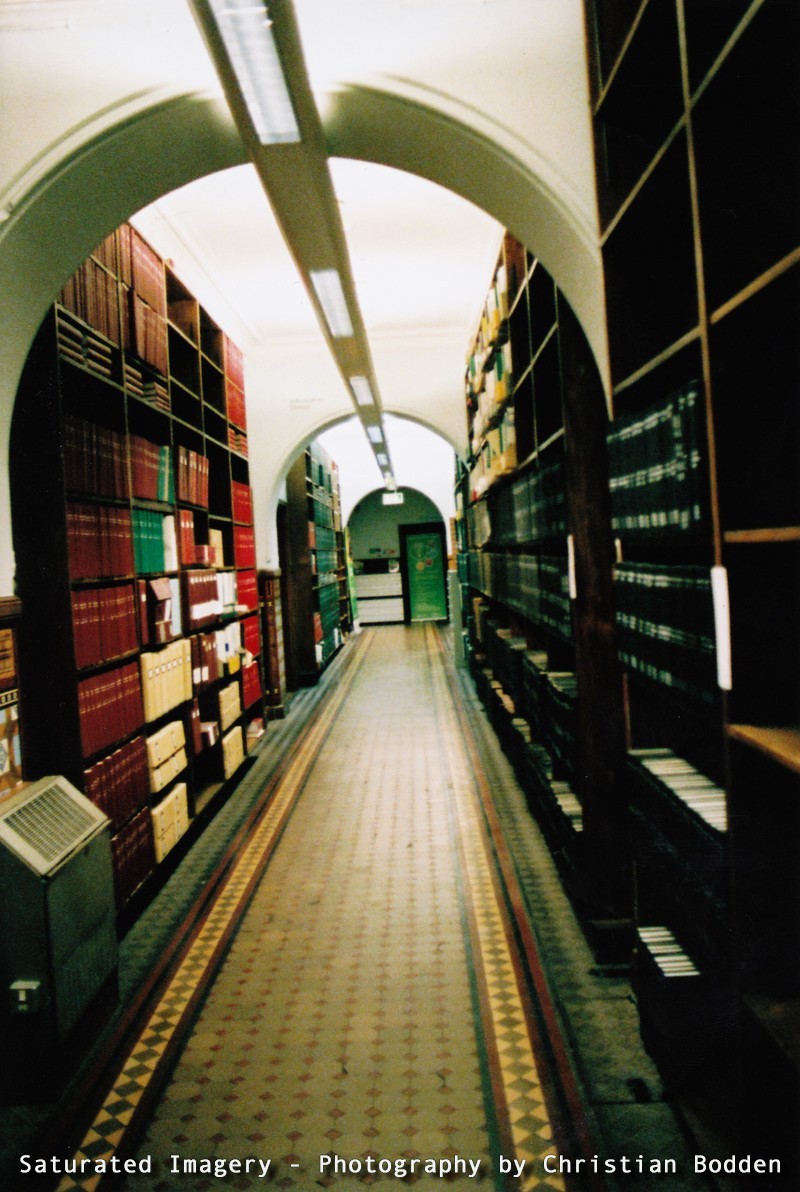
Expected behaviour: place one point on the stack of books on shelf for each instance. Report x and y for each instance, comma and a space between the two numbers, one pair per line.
246, 596
205, 661
149, 389
166, 678
232, 750
242, 503
166, 755
103, 624
251, 685
133, 855
154, 545
151, 470
230, 705
92, 294
95, 459
118, 784
560, 690
109, 707
657, 468
665, 621
554, 607
170, 820
99, 541
244, 547
192, 478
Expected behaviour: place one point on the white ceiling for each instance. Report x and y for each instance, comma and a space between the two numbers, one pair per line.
421, 256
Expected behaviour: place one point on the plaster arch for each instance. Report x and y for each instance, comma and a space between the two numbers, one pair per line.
360, 482
117, 161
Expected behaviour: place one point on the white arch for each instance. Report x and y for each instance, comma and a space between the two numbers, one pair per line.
109, 167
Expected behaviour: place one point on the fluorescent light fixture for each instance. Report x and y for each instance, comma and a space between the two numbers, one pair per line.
246, 32
328, 288
392, 497
375, 434
382, 459
362, 390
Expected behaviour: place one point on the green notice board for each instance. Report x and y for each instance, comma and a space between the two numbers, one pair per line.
426, 588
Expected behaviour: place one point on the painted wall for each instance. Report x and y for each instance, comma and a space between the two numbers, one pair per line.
375, 527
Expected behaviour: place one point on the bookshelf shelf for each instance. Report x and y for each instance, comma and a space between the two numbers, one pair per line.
134, 488
780, 744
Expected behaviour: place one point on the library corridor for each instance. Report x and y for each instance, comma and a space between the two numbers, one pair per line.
365, 970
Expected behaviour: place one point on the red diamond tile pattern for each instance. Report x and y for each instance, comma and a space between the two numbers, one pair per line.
342, 1020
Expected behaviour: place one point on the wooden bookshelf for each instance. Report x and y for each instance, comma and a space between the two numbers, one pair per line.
535, 554
316, 573
140, 643
696, 120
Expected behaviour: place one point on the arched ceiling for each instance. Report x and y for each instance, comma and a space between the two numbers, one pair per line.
108, 105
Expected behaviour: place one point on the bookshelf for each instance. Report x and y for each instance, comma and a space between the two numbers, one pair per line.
318, 599
696, 123
535, 568
139, 641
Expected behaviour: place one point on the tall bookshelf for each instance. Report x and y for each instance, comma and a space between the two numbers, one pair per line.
697, 122
139, 642
535, 565
318, 610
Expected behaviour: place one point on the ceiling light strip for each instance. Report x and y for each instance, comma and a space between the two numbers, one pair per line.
246, 32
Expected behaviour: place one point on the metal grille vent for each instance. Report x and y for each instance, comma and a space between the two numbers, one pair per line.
50, 825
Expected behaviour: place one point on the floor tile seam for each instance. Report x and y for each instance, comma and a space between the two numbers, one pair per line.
234, 889
494, 944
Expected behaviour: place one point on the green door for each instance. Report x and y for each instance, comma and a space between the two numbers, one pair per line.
426, 585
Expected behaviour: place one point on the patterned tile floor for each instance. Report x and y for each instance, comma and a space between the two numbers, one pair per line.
370, 1006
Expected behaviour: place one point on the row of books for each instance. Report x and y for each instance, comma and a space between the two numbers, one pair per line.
208, 595
234, 365
242, 503
133, 856
146, 334
192, 477
166, 755
665, 624
166, 679
151, 470
246, 590
536, 586
118, 784
489, 389
497, 455
104, 624
82, 345
170, 820
237, 441
155, 546
532, 509
99, 541
160, 614
232, 750
229, 704
252, 690
657, 467
109, 707
142, 268
234, 400
150, 389
208, 660
244, 547
92, 294
679, 819
251, 636
95, 459
187, 551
